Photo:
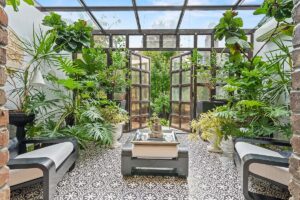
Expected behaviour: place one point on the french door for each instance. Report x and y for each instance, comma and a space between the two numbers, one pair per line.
181, 94
139, 91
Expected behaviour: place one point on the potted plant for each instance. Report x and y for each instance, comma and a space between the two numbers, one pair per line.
117, 117
25, 97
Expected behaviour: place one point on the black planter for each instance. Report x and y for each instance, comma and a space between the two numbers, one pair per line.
20, 120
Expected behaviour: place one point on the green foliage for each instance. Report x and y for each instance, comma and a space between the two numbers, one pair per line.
72, 37
256, 85
279, 9
16, 3
114, 114
160, 81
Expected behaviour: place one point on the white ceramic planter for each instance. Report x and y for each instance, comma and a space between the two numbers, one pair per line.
214, 147
117, 132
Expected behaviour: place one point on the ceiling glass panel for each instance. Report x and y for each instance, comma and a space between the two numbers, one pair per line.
159, 19
200, 19
116, 19
71, 17
159, 2
211, 2
252, 2
250, 20
108, 3
58, 3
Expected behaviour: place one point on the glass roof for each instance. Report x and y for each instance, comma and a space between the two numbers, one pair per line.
203, 19
151, 14
108, 2
58, 3
211, 2
116, 19
159, 19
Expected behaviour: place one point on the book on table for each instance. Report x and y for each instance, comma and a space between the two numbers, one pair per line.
155, 148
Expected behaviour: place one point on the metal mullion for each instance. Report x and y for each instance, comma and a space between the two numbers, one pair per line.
136, 15
181, 15
237, 4
94, 19
161, 41
145, 8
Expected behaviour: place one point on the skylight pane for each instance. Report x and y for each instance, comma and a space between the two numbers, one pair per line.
250, 20
71, 17
116, 19
58, 3
159, 19
211, 2
159, 2
252, 2
108, 3
200, 19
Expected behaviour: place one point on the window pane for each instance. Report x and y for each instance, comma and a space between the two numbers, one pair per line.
145, 94
145, 64
203, 94
175, 78
220, 93
252, 2
204, 41
220, 44
175, 64
136, 41
186, 77
185, 109
175, 121
152, 41
250, 20
205, 57
186, 62
119, 41
185, 123
101, 41
175, 108
203, 76
135, 77
135, 108
186, 94
135, 61
145, 108
175, 94
145, 78
169, 41
186, 41
135, 93
159, 19
116, 19
144, 121
135, 122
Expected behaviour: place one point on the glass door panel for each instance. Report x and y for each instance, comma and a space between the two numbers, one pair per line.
139, 101
181, 91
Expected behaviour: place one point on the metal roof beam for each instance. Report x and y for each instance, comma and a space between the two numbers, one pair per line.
181, 14
143, 8
162, 31
136, 15
94, 19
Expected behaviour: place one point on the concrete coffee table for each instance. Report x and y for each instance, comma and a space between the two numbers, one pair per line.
154, 166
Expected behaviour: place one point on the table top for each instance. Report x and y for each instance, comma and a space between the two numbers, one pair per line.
142, 137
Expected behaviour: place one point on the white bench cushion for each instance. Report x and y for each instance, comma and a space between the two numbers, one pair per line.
275, 173
57, 153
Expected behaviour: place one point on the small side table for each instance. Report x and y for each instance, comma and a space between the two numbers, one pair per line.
129, 164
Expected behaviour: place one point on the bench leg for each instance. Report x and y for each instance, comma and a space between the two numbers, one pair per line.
183, 167
245, 181
49, 183
126, 166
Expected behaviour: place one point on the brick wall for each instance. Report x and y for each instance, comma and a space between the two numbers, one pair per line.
294, 185
4, 134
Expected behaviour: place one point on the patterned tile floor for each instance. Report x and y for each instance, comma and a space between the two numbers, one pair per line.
97, 177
